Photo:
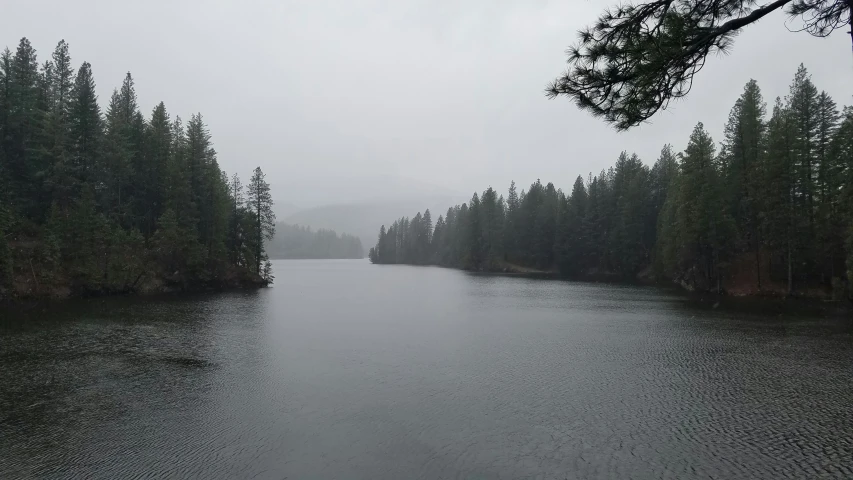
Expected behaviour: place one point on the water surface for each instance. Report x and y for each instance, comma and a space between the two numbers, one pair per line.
352, 371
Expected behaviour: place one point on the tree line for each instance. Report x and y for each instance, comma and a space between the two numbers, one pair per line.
96, 201
295, 241
770, 210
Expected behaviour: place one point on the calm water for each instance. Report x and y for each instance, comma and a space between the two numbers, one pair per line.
351, 371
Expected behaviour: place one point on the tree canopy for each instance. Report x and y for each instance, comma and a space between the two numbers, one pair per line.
636, 58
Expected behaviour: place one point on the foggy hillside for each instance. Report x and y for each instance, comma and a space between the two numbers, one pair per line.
363, 219
298, 242
285, 209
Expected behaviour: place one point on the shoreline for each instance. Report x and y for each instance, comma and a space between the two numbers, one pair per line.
63, 292
740, 295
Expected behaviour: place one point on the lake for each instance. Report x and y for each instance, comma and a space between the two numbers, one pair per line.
346, 370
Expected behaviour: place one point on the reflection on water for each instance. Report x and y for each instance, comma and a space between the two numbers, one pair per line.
347, 370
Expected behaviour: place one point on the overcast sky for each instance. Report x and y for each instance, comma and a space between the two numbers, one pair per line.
344, 100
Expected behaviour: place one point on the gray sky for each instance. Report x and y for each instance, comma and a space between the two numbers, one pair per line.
341, 100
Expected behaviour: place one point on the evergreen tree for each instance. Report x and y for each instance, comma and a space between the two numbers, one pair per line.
24, 167
85, 125
115, 171
259, 202
154, 175
842, 151
426, 238
829, 181
702, 227
572, 243
437, 241
236, 233
742, 150
492, 222
59, 82
628, 241
510, 240
781, 219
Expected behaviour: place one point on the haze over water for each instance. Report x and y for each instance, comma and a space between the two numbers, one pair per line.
348, 370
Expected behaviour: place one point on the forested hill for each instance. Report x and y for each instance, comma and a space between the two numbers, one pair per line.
100, 200
294, 241
769, 211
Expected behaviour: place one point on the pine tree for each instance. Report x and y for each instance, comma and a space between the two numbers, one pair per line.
5, 99
178, 189
85, 125
829, 181
631, 198
115, 171
259, 202
781, 219
742, 152
638, 57
209, 190
24, 168
437, 240
376, 253
492, 222
62, 183
510, 240
128, 126
473, 238
426, 237
572, 244
802, 104
236, 234
663, 173
158, 145
703, 227
842, 151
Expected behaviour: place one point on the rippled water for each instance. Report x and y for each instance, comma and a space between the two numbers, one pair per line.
352, 371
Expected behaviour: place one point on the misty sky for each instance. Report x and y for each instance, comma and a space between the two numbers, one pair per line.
348, 100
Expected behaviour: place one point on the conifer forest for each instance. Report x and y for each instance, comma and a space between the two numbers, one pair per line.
107, 199
768, 210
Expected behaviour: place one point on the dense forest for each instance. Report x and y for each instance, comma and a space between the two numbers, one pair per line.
294, 241
769, 211
97, 202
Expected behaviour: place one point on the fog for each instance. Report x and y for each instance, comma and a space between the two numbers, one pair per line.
344, 101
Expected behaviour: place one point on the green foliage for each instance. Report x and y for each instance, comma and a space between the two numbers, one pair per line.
175, 247
639, 56
702, 230
259, 205
106, 203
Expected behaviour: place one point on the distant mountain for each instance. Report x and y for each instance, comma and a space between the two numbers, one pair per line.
364, 219
285, 209
314, 189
